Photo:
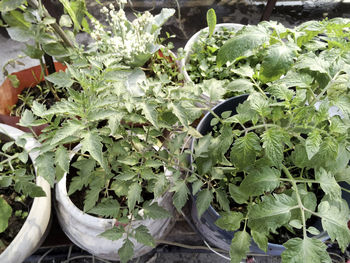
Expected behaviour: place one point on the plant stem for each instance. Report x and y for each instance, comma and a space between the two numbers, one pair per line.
300, 203
326, 88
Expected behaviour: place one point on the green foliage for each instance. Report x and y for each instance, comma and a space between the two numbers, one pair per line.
239, 246
17, 177
211, 21
278, 158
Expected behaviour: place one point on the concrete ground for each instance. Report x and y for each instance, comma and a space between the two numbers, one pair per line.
190, 19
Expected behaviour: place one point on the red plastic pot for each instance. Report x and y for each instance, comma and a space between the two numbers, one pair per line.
27, 78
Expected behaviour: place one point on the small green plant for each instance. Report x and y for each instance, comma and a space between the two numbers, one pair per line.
17, 186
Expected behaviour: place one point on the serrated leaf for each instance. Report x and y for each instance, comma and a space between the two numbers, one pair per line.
244, 150
29, 189
107, 208
260, 239
241, 44
239, 246
273, 212
155, 211
181, 194
229, 221
92, 143
134, 195
276, 62
91, 198
69, 129
45, 165
23, 157
261, 180
211, 21
113, 234
273, 144
196, 186
143, 236
179, 112
126, 251
312, 62
328, 183
308, 250
55, 49
33, 52
313, 143
237, 194
60, 79
222, 199
335, 222
5, 214
280, 91
203, 200
240, 85
202, 145
151, 113
62, 158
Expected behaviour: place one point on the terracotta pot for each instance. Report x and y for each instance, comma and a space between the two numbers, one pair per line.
27, 78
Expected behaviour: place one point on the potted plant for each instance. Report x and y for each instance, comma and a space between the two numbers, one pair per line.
29, 20
122, 120
25, 200
272, 164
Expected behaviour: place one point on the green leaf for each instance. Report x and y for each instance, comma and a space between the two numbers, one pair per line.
33, 52
45, 165
113, 234
92, 143
19, 34
335, 217
107, 208
229, 221
244, 150
126, 251
240, 85
181, 194
134, 195
143, 236
211, 21
9, 5
91, 198
260, 239
202, 145
56, 50
313, 143
308, 250
328, 183
151, 113
65, 21
196, 186
204, 198
70, 128
180, 113
273, 212
162, 17
23, 157
242, 44
68, 7
276, 62
60, 79
221, 197
273, 144
5, 214
313, 230
16, 18
154, 211
239, 246
62, 158
281, 91
29, 189
237, 194
261, 180
312, 62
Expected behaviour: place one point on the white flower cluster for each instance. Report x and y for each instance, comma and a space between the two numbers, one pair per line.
122, 38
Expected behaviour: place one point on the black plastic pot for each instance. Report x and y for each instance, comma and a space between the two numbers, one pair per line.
206, 224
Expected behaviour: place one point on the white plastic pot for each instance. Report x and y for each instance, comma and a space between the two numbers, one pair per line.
188, 47
84, 230
35, 228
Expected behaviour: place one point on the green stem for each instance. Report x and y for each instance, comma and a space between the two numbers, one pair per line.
299, 181
300, 203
